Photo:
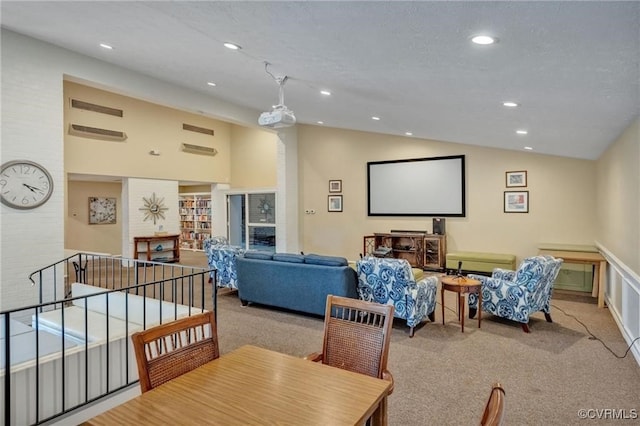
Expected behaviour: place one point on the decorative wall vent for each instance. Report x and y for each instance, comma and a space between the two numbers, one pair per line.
197, 129
96, 108
96, 133
198, 149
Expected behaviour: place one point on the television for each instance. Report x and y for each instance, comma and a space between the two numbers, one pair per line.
432, 186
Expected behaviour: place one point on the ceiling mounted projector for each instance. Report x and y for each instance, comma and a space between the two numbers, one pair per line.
280, 116
277, 118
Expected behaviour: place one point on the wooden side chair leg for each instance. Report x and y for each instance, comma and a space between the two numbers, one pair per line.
525, 328
411, 331
548, 317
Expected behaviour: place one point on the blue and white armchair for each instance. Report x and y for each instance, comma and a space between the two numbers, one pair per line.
515, 295
222, 257
391, 282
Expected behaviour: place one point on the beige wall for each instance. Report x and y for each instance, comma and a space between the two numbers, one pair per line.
561, 190
193, 189
148, 127
618, 196
250, 153
253, 158
562, 196
79, 235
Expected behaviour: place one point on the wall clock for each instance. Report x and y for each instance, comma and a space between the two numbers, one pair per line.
24, 184
153, 208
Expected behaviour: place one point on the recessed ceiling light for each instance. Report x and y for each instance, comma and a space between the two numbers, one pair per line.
325, 92
210, 83
510, 104
408, 133
232, 46
106, 46
375, 118
521, 132
320, 122
483, 39
528, 148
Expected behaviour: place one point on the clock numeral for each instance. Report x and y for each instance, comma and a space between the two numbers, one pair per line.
25, 200
3, 182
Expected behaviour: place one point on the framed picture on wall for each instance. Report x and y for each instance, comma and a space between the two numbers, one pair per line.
102, 211
516, 201
515, 179
335, 203
335, 186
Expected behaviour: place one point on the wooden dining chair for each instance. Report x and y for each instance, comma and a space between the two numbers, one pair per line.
356, 337
169, 350
494, 409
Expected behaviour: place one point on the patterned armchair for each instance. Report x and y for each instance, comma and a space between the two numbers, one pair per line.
515, 295
222, 257
390, 281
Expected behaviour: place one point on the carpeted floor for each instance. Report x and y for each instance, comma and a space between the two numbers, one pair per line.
443, 376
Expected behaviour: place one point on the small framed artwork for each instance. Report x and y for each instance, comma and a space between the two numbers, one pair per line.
516, 201
102, 211
516, 179
335, 203
335, 186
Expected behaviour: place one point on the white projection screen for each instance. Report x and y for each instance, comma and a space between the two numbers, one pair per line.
417, 187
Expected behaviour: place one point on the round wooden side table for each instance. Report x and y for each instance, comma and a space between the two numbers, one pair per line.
462, 286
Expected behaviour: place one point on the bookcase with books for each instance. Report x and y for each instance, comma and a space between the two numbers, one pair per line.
195, 220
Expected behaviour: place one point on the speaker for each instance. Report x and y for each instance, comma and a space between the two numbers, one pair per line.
438, 226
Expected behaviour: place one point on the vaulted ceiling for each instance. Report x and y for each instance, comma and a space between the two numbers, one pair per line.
573, 67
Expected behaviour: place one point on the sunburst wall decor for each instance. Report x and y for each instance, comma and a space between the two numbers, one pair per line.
153, 208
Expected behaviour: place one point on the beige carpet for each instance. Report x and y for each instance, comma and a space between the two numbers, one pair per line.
443, 376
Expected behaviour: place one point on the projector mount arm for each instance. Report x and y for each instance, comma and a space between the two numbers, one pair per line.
281, 81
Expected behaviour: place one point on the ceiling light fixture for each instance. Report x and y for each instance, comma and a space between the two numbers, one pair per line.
325, 92
510, 104
408, 133
528, 148
521, 132
106, 46
483, 39
320, 122
375, 118
232, 46
211, 84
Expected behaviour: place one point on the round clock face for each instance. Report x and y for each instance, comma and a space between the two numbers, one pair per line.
24, 184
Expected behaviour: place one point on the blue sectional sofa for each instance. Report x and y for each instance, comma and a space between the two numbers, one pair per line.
294, 281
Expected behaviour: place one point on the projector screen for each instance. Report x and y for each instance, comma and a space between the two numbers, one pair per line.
417, 187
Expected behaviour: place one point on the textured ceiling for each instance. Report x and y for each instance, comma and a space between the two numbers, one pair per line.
573, 66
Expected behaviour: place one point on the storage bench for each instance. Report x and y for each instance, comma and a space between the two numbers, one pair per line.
480, 262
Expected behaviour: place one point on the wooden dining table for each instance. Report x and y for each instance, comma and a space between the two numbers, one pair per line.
256, 386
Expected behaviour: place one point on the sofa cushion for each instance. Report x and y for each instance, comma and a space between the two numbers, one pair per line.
255, 254
482, 257
418, 273
480, 262
288, 257
316, 259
